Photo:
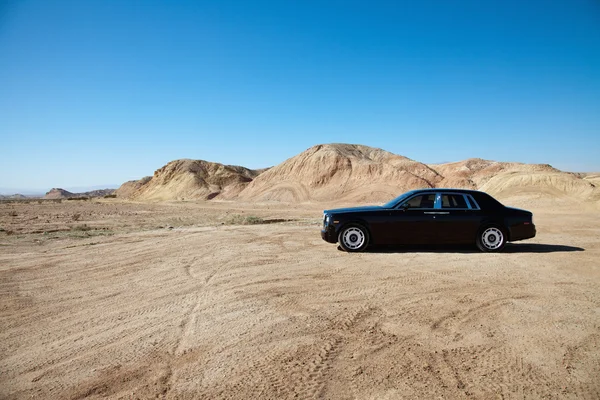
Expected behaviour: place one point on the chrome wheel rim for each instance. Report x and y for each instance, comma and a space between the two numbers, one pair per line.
492, 238
353, 238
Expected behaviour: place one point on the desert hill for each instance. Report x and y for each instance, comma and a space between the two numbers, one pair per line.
334, 171
127, 189
356, 173
594, 178
190, 179
58, 193
506, 179
16, 196
475, 172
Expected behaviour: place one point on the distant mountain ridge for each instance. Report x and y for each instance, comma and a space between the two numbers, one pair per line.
58, 193
353, 173
16, 196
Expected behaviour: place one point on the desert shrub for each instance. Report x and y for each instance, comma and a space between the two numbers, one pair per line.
252, 220
13, 213
82, 228
110, 196
79, 198
238, 219
76, 217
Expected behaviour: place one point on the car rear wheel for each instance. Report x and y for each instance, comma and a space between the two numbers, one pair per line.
491, 239
353, 237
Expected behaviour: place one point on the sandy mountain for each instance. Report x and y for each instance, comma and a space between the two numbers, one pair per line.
507, 179
96, 193
358, 174
593, 177
341, 171
16, 196
190, 179
127, 189
551, 185
58, 193
475, 172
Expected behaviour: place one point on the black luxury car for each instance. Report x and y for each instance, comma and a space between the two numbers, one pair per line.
429, 216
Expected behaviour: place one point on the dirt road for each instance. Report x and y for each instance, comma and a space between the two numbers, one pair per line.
218, 310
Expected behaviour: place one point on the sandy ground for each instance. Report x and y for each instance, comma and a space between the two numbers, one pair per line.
177, 300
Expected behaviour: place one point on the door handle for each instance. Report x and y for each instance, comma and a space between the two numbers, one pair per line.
436, 212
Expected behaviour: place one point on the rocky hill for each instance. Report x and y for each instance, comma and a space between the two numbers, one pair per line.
16, 196
509, 178
355, 173
341, 171
58, 193
127, 189
190, 179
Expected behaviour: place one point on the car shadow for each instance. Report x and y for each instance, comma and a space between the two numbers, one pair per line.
466, 249
539, 248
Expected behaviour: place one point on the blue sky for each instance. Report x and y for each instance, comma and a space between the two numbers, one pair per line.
100, 92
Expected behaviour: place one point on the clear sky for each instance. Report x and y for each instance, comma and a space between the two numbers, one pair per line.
102, 91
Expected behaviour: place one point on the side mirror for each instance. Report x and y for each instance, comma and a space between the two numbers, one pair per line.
405, 206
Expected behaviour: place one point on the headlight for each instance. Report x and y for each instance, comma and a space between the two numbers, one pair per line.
326, 219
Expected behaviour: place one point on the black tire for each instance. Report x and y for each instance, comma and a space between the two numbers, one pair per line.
491, 239
353, 238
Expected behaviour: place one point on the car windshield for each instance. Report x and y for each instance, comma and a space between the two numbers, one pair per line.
398, 199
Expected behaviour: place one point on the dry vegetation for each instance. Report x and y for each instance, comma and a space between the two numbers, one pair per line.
106, 298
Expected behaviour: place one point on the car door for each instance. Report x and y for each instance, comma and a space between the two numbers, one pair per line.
412, 221
457, 221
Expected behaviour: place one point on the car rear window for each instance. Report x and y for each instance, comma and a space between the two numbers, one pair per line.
454, 201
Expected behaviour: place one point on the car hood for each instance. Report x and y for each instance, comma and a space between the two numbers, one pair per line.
353, 209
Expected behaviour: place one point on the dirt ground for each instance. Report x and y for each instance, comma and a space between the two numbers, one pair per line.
186, 300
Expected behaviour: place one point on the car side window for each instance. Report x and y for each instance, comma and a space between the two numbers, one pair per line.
422, 201
454, 201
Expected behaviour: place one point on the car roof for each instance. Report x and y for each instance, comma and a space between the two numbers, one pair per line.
484, 199
447, 190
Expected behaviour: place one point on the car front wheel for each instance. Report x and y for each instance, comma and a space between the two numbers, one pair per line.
491, 239
353, 238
